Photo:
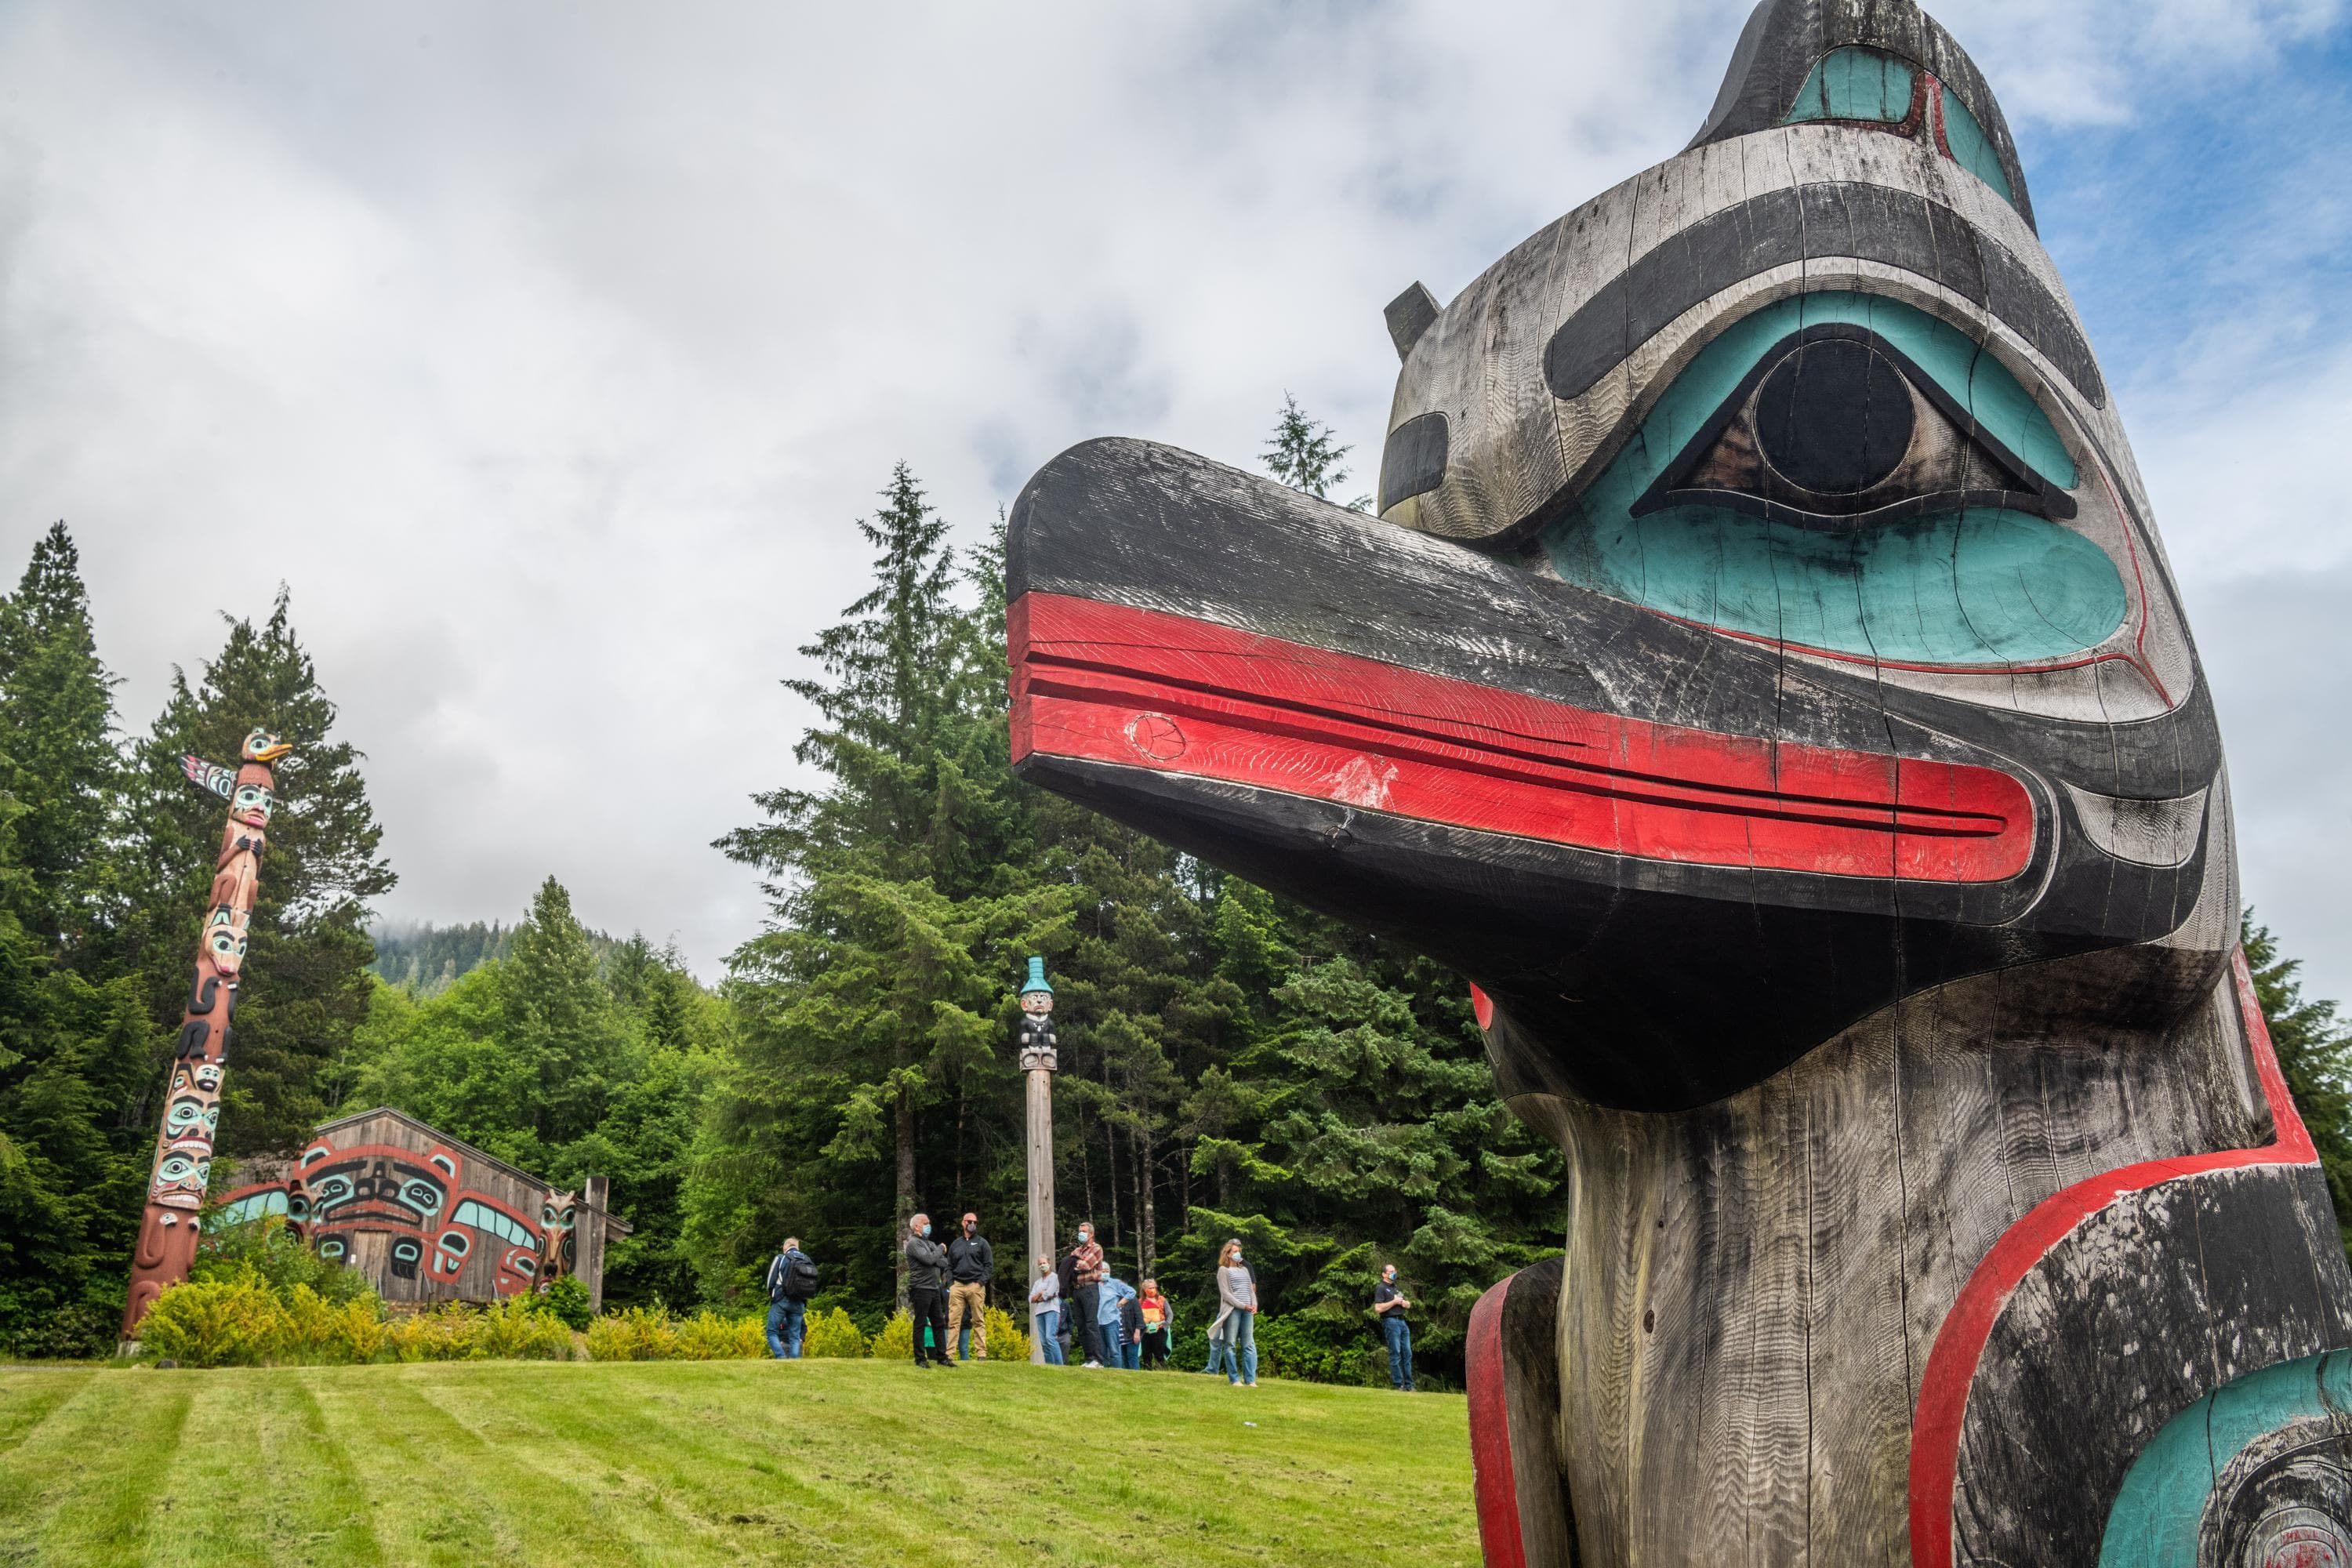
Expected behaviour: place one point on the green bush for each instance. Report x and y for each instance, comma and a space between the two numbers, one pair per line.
217, 1323
1008, 1338
707, 1336
439, 1333
567, 1299
281, 1259
640, 1334
518, 1329
833, 1333
896, 1340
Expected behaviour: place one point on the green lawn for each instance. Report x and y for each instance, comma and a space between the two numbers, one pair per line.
822, 1462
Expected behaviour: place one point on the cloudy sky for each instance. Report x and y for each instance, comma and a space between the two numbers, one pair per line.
547, 353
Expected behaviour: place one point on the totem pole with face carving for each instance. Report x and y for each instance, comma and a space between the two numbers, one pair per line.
1765, 682
184, 1152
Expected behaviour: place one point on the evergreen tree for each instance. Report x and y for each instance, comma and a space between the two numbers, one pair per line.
1305, 455
306, 990
877, 977
61, 765
2314, 1055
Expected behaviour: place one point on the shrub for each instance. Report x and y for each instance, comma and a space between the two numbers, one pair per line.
707, 1336
640, 1334
518, 1329
833, 1333
1008, 1339
217, 1323
281, 1259
442, 1333
567, 1299
896, 1340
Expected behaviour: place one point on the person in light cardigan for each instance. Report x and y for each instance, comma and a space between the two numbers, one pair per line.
1233, 1338
1045, 1310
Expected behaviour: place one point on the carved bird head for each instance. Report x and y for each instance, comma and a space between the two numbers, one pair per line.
261, 746
1764, 623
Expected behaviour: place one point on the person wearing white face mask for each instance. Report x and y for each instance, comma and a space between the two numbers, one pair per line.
1084, 1291
1233, 1338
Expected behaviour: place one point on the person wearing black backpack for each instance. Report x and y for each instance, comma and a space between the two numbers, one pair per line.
791, 1280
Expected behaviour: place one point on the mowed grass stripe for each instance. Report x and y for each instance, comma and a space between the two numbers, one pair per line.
444, 1496
245, 1426
682, 1465
84, 1484
644, 1485
26, 1399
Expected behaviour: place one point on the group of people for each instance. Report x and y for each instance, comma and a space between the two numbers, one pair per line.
1109, 1321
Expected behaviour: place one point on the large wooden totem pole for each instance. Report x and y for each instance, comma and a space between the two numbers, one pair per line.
183, 1150
1765, 682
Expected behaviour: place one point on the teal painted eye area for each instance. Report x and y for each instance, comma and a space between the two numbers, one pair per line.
1841, 472
1971, 149
1854, 83
1981, 585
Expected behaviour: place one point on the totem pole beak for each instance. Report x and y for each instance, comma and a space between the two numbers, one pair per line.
272, 752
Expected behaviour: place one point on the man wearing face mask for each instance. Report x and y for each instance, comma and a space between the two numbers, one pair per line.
927, 1289
1086, 1265
972, 1263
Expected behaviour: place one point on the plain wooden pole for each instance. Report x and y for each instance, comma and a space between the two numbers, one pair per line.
1041, 1182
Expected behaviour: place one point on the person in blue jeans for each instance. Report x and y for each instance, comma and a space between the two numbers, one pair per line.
1045, 1311
1390, 1306
791, 1280
1233, 1338
1110, 1312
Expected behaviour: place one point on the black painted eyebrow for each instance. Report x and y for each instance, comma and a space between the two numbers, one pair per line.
1837, 218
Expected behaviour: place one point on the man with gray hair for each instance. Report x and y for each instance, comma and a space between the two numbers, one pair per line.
926, 1289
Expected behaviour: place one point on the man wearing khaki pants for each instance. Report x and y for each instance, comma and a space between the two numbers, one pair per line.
970, 1263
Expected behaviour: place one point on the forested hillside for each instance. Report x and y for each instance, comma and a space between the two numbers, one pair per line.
1230, 1065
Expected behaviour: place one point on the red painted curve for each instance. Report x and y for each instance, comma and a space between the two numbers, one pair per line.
1111, 683
1494, 1484
1960, 1343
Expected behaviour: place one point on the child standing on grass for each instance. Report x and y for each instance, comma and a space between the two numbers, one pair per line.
1045, 1310
1159, 1315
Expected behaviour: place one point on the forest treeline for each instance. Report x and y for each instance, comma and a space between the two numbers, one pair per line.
1230, 1063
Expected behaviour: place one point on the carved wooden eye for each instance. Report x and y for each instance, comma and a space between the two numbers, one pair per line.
1835, 427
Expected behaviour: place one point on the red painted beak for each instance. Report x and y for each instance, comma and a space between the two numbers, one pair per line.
1100, 682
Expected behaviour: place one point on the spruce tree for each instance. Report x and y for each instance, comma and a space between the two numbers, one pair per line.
2315, 1055
61, 766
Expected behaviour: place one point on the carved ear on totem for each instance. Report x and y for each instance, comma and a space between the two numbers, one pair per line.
1409, 315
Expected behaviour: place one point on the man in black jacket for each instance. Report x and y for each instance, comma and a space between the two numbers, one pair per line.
927, 1289
971, 1264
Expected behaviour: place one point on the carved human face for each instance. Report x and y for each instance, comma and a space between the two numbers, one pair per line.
251, 804
180, 1178
225, 941
1037, 1003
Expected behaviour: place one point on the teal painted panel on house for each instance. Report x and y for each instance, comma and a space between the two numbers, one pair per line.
2156, 1517
1971, 148
1854, 84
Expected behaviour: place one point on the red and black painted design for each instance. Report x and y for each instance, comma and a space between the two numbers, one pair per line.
407, 1209
183, 1150
1763, 684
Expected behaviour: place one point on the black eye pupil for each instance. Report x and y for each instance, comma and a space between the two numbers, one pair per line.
1833, 417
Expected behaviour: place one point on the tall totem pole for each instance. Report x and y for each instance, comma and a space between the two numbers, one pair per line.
1765, 682
1037, 1044
183, 1150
